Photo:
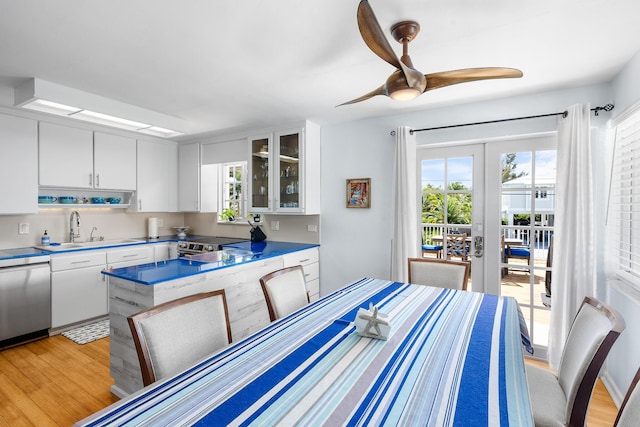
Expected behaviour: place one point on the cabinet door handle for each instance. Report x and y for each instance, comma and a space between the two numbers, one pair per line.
91, 180
97, 180
140, 204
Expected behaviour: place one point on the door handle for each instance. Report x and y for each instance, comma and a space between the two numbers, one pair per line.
478, 246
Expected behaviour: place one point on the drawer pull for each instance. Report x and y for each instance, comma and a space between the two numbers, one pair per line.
81, 262
304, 260
129, 256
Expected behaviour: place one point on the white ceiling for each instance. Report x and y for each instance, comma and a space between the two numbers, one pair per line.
251, 63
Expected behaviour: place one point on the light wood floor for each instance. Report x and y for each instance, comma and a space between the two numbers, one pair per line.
55, 382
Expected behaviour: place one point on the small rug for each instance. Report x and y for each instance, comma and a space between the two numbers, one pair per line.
88, 333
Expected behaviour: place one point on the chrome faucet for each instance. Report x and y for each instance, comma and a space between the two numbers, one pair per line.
74, 226
91, 235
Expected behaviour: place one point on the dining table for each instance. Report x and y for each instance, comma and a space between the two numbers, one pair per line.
451, 358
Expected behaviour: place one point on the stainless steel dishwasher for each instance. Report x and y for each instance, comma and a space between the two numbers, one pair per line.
25, 297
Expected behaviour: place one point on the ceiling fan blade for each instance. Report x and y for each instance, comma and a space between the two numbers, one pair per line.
448, 78
373, 35
382, 90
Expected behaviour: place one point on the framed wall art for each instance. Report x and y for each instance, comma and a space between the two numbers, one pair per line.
359, 193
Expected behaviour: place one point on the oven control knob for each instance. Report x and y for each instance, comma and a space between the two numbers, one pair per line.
209, 248
182, 244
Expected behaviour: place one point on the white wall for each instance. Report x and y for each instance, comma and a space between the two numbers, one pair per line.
624, 359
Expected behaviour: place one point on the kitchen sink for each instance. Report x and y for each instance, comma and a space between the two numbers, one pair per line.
81, 245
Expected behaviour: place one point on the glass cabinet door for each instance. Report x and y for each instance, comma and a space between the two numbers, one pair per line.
260, 174
289, 171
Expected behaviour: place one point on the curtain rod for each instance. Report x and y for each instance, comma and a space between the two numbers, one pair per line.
607, 107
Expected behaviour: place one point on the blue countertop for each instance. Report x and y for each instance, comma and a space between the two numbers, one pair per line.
21, 253
153, 273
12, 253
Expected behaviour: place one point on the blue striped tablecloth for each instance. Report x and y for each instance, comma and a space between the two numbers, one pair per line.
452, 358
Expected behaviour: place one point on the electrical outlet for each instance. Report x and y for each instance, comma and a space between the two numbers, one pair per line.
313, 228
23, 228
275, 225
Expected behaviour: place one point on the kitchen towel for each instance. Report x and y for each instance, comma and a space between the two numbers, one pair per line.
153, 228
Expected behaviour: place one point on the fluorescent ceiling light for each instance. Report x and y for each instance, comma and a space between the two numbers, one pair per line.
50, 107
51, 98
158, 131
108, 120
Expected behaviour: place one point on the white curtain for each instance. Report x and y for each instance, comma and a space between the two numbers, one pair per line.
573, 251
404, 204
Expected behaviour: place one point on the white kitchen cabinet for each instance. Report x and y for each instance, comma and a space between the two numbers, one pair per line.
197, 183
189, 177
157, 177
78, 288
165, 251
130, 255
69, 157
65, 156
19, 171
114, 162
284, 171
309, 259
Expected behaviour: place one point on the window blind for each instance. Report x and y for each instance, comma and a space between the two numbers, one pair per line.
625, 199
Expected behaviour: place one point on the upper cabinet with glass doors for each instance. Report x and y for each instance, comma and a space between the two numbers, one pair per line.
284, 171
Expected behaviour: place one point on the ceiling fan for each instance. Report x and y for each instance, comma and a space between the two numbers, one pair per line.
406, 82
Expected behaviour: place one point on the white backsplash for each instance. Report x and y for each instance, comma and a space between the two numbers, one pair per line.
119, 224
111, 224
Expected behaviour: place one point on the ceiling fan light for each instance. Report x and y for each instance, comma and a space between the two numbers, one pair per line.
406, 94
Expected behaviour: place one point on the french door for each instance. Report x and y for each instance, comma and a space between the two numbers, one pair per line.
502, 194
451, 182
521, 206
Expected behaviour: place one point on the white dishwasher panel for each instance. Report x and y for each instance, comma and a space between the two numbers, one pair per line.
78, 295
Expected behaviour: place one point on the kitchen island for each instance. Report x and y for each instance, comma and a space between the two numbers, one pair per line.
132, 289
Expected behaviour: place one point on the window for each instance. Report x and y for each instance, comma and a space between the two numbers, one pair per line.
624, 215
232, 201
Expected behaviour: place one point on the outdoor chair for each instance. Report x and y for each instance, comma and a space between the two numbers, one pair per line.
563, 399
437, 249
439, 272
285, 291
172, 336
514, 252
456, 245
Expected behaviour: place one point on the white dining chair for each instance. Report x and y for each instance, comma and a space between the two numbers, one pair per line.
172, 336
629, 413
439, 272
285, 291
563, 399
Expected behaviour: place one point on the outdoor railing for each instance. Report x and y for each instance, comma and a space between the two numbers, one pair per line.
540, 242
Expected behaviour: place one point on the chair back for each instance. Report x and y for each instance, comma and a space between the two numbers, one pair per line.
629, 412
456, 245
594, 330
172, 336
285, 291
439, 272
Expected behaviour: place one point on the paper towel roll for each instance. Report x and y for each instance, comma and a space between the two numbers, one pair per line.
153, 228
